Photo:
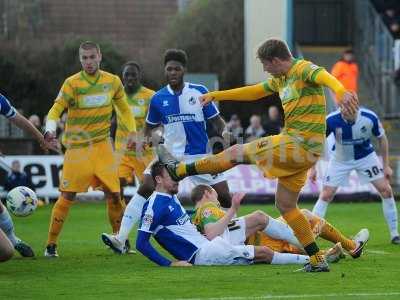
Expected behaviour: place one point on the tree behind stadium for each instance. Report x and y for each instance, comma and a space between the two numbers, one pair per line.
212, 33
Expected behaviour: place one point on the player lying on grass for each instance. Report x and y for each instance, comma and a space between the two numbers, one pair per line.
259, 229
8, 240
165, 218
286, 156
353, 151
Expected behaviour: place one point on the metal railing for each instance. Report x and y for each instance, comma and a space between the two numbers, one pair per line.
375, 48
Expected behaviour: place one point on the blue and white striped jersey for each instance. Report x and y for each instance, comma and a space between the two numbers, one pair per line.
164, 217
353, 140
183, 118
5, 108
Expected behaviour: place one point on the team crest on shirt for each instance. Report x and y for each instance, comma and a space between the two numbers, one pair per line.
207, 212
147, 219
141, 102
192, 101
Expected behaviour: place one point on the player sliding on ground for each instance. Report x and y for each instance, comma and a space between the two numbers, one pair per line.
286, 156
353, 151
259, 229
165, 218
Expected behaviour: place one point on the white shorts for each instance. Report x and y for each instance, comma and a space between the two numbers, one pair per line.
221, 252
236, 232
368, 169
206, 179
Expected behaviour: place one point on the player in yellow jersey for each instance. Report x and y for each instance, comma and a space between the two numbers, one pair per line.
286, 156
259, 229
89, 97
133, 162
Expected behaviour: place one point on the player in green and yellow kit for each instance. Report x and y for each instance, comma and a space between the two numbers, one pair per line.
286, 156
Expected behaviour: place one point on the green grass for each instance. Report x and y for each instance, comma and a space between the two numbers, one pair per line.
87, 270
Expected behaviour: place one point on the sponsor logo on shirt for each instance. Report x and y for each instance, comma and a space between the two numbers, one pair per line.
181, 118
141, 102
95, 100
183, 219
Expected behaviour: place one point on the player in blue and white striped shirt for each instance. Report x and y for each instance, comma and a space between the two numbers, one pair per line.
8, 240
176, 111
353, 150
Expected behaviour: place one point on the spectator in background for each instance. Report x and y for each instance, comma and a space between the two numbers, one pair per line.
274, 124
395, 30
235, 127
346, 71
16, 177
255, 129
390, 15
35, 120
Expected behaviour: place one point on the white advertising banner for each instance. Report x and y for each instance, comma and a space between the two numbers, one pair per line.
44, 172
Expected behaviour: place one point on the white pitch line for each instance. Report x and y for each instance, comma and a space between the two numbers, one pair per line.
293, 296
379, 252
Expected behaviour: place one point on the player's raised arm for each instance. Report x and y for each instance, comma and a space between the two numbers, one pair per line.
214, 229
346, 100
247, 93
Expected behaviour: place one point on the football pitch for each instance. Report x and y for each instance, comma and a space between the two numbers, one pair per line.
87, 270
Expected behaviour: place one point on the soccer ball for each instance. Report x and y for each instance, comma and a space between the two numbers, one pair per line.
21, 201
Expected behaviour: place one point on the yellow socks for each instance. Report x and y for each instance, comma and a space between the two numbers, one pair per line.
58, 217
212, 164
115, 213
302, 229
330, 233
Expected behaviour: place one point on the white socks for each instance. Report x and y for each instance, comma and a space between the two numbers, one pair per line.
281, 231
390, 213
132, 215
320, 208
288, 258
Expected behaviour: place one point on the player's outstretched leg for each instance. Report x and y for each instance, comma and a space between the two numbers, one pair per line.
212, 164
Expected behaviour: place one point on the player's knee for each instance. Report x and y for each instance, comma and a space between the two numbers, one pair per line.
6, 252
68, 195
235, 153
261, 218
385, 191
327, 195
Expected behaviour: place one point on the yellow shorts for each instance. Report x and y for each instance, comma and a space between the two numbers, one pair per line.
132, 165
90, 166
260, 238
280, 156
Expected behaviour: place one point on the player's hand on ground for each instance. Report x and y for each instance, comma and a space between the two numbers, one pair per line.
180, 263
312, 174
388, 173
205, 99
237, 200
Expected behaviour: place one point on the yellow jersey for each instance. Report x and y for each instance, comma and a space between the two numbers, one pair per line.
207, 213
89, 102
139, 105
303, 103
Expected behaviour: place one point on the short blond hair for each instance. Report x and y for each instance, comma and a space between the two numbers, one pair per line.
87, 45
273, 48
